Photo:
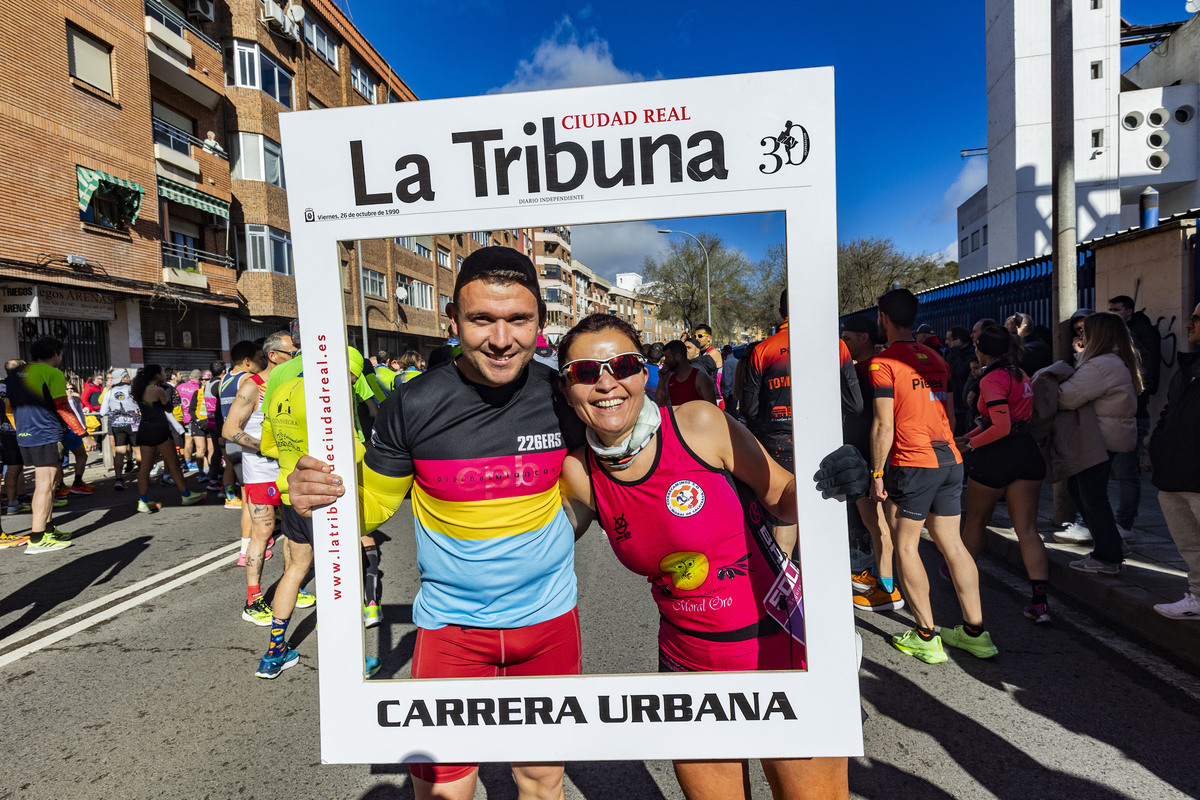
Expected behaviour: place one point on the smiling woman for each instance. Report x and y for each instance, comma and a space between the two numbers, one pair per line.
662, 482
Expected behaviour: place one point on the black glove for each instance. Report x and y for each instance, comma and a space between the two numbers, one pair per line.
843, 472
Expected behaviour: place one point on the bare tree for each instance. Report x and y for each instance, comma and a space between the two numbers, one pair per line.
869, 267
679, 283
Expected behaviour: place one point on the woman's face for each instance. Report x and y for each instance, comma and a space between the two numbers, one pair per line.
609, 407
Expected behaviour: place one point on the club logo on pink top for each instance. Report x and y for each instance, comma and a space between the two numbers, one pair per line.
685, 498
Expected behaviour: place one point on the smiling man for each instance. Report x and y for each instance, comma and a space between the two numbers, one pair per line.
481, 444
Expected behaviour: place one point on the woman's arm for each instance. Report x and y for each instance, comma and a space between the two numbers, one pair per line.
1084, 386
575, 487
996, 400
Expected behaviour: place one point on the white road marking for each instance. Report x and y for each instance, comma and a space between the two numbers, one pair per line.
1158, 667
108, 611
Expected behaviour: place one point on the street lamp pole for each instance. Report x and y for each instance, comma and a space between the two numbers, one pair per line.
707, 277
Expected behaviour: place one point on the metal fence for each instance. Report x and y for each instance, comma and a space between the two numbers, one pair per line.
1021, 287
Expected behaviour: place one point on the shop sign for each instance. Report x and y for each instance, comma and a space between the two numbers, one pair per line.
27, 300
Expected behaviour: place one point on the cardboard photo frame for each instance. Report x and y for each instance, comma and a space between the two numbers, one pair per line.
664, 149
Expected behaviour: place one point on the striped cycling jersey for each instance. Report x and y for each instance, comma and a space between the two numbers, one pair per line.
494, 547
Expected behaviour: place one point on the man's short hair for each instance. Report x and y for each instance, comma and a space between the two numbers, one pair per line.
1124, 300
960, 333
727, 349
676, 348
45, 348
703, 329
217, 367
654, 352
194, 375
900, 305
382, 357
275, 341
243, 350
498, 265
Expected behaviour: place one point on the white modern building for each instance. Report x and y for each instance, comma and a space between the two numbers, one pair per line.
1132, 131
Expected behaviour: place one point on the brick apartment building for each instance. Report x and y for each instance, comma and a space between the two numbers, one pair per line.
143, 215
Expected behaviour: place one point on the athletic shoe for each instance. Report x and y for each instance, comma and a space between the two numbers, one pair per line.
258, 612
214, 486
48, 543
910, 642
305, 599
82, 488
167, 480
156, 471
119, 485
1095, 565
189, 467
371, 665
1038, 612
863, 581
372, 613
12, 539
62, 491
26, 508
13, 508
60, 534
879, 600
234, 503
190, 498
979, 646
1127, 534
148, 508
271, 667
1187, 608
1073, 533
59, 502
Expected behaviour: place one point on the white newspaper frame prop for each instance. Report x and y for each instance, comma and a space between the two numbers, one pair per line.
746, 144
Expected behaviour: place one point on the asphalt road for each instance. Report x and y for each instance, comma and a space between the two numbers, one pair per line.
124, 679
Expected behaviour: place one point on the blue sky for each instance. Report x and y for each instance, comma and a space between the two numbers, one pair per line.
909, 82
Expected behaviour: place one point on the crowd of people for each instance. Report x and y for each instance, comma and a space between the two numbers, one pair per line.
682, 452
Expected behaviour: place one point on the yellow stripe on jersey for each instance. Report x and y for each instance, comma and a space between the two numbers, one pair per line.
486, 519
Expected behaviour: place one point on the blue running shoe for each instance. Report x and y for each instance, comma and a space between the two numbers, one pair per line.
270, 668
372, 665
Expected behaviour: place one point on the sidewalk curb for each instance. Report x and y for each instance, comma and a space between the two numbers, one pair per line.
1113, 599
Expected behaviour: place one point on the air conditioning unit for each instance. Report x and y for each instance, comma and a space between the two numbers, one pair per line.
292, 31
273, 14
201, 9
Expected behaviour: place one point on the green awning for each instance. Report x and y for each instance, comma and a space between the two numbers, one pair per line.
192, 197
91, 180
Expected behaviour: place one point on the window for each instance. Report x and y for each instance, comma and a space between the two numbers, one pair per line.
257, 158
246, 65
1097, 5
985, 235
89, 59
963, 249
443, 299
105, 209
172, 129
482, 237
314, 103
265, 249
1098, 138
407, 242
392, 97
1097, 70
417, 294
321, 41
974, 241
552, 273
422, 250
443, 257
373, 283
364, 82
459, 260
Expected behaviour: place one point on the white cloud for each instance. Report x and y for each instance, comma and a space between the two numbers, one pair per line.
568, 59
971, 178
949, 254
616, 247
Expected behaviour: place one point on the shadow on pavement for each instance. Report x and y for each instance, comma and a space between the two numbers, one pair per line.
46, 593
597, 780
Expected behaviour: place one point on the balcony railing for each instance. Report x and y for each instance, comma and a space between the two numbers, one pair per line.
181, 141
176, 256
170, 18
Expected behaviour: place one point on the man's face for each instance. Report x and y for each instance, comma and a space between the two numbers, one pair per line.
975, 331
498, 326
1121, 310
257, 364
285, 352
1193, 327
859, 344
705, 339
692, 350
1012, 324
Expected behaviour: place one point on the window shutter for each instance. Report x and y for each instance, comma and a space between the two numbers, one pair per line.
89, 60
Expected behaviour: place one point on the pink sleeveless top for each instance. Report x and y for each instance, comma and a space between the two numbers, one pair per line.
683, 527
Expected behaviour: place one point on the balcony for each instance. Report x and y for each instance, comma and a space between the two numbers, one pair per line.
551, 236
182, 56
